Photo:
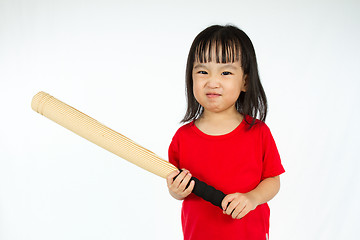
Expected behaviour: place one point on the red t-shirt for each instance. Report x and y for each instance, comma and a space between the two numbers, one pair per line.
234, 162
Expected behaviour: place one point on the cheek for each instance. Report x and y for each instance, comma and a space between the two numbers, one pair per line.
197, 84
196, 90
234, 95
234, 91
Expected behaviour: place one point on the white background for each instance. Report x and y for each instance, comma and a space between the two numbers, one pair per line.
123, 63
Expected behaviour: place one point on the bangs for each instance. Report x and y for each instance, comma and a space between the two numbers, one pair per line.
220, 50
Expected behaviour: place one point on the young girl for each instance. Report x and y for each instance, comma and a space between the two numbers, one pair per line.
223, 144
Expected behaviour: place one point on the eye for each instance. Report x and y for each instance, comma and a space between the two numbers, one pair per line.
202, 72
226, 73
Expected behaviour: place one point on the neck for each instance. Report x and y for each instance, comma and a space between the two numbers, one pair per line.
220, 117
218, 123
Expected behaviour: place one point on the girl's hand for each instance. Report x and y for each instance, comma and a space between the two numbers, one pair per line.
239, 204
177, 187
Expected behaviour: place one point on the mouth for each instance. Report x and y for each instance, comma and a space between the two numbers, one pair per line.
213, 95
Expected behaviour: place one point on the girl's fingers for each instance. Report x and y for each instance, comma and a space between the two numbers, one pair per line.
225, 202
230, 209
243, 213
190, 188
170, 177
177, 181
239, 211
178, 184
234, 206
185, 181
237, 205
229, 203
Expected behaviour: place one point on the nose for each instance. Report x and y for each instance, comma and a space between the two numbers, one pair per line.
213, 82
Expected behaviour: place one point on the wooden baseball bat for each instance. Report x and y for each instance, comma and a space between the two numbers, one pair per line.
95, 132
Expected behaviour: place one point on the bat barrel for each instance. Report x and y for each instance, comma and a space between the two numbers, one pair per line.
95, 132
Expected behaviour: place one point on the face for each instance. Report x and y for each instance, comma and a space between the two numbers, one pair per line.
217, 86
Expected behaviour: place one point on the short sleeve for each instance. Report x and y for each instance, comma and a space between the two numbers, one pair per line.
272, 165
173, 152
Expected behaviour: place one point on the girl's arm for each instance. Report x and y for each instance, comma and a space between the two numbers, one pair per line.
239, 204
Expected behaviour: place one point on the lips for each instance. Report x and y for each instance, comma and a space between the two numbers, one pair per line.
213, 95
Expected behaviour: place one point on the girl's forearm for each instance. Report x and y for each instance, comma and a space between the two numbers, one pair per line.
266, 190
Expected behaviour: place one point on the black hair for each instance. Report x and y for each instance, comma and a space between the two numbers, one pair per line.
230, 44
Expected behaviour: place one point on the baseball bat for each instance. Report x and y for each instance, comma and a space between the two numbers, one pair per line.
95, 132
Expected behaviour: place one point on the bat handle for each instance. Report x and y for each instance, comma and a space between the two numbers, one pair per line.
207, 192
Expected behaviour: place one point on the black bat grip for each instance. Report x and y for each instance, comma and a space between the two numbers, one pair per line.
207, 192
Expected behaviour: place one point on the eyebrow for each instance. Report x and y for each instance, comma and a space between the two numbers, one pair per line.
229, 66
224, 66
199, 66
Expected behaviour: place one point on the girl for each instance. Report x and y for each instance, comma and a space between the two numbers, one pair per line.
223, 144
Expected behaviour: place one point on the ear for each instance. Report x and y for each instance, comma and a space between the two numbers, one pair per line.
245, 83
